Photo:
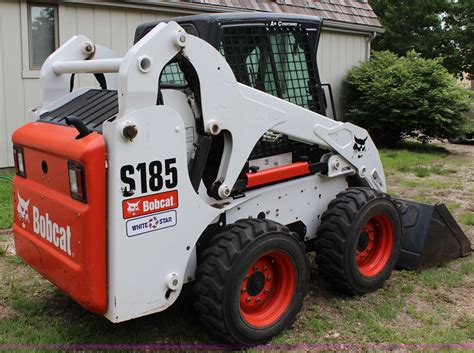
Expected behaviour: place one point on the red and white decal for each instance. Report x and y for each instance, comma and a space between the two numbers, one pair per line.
44, 225
148, 204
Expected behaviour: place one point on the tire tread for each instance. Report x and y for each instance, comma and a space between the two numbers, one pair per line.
334, 231
217, 261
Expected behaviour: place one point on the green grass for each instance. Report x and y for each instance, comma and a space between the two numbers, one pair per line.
453, 206
411, 308
407, 288
467, 218
432, 184
6, 200
416, 158
436, 277
421, 172
321, 323
467, 268
421, 315
44, 315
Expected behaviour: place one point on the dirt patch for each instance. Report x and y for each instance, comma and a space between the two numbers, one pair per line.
453, 186
6, 312
456, 148
6, 242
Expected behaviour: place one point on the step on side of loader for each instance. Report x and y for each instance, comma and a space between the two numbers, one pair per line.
431, 236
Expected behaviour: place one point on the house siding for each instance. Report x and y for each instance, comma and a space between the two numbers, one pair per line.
12, 87
338, 52
115, 27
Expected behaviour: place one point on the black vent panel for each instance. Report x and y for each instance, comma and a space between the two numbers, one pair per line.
93, 107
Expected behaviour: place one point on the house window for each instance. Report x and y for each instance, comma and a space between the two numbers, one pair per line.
42, 33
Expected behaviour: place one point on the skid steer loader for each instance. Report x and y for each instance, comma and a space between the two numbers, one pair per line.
205, 158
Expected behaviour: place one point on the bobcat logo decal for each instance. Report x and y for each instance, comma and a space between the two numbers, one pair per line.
22, 209
359, 146
133, 207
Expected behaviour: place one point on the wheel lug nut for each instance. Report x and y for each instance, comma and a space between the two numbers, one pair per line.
247, 277
257, 300
244, 290
265, 268
269, 278
255, 268
248, 300
266, 291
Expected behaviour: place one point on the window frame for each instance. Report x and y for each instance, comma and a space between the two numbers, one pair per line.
29, 5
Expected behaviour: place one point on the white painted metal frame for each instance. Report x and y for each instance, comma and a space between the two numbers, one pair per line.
78, 54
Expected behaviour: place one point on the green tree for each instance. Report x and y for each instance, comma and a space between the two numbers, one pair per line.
434, 28
398, 97
458, 50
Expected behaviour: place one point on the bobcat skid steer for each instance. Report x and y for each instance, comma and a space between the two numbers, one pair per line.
205, 158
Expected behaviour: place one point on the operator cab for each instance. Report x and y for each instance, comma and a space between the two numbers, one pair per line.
274, 53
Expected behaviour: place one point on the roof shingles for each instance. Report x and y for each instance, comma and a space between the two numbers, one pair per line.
349, 11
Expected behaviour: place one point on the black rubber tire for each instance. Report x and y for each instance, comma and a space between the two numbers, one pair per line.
221, 271
338, 236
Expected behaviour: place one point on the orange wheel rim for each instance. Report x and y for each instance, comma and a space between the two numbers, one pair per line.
267, 289
375, 245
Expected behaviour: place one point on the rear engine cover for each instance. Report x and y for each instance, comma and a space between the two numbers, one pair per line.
60, 237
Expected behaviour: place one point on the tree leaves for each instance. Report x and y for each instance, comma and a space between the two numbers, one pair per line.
434, 28
398, 97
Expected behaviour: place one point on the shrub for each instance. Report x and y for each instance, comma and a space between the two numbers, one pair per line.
399, 97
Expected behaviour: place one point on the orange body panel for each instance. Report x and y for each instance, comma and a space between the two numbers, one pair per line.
62, 238
272, 175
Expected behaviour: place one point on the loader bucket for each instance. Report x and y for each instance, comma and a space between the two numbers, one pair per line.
430, 237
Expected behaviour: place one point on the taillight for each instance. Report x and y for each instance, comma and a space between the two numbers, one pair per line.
19, 158
77, 181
